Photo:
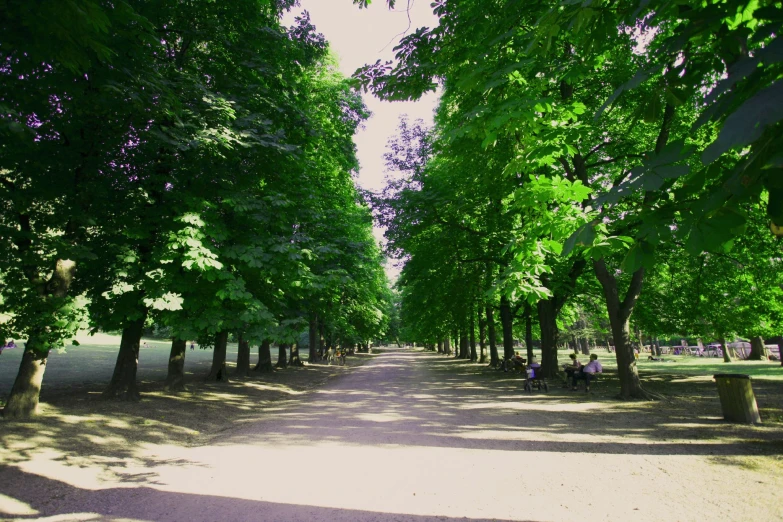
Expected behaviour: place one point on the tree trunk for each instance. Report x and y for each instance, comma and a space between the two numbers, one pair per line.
282, 356
312, 338
243, 357
123, 382
619, 320
547, 321
585, 346
464, 351
321, 340
494, 360
472, 338
23, 400
757, 351
506, 320
440, 346
725, 350
218, 372
482, 337
446, 347
295, 360
529, 331
264, 357
175, 380
630, 384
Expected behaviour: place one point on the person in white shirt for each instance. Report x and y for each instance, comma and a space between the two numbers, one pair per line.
588, 372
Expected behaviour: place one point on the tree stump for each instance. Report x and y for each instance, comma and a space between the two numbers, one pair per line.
737, 399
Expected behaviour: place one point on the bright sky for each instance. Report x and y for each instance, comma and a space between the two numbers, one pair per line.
363, 36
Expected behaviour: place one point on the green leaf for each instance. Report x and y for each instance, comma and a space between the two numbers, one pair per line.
748, 122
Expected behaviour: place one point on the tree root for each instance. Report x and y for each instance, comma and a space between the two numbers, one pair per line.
642, 395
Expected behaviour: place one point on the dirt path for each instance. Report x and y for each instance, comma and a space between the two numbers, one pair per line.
413, 436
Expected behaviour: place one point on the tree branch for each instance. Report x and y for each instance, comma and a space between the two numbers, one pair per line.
634, 289
569, 173
612, 160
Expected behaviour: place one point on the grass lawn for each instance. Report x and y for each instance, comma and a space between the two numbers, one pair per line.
92, 363
709, 366
702, 368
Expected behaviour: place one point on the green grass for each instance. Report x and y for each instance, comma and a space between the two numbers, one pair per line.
689, 365
709, 366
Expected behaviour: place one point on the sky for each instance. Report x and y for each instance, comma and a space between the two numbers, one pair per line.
363, 36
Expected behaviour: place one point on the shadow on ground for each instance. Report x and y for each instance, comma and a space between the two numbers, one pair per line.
79, 504
83, 428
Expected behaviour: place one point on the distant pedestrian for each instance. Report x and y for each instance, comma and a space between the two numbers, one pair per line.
192, 346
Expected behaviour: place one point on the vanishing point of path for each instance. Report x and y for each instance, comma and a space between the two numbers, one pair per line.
410, 436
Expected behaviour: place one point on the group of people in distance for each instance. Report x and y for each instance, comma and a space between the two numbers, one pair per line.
576, 371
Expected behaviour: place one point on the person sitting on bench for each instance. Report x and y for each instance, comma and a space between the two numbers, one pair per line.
574, 366
518, 362
588, 372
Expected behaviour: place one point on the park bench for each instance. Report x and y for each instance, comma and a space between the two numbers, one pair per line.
595, 379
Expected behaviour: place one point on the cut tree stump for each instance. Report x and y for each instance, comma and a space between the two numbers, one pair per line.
737, 399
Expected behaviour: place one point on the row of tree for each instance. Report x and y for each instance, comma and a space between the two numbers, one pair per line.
183, 163
589, 160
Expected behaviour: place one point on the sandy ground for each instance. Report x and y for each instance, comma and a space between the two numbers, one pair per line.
406, 436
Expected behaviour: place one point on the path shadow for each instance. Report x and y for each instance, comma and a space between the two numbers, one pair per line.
149, 504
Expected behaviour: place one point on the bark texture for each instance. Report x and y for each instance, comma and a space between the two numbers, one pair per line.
23, 400
506, 320
464, 352
218, 371
584, 345
619, 318
282, 356
482, 322
550, 336
175, 379
757, 350
123, 382
473, 354
494, 360
295, 360
264, 357
243, 357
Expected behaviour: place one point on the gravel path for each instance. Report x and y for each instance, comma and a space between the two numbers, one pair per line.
411, 436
